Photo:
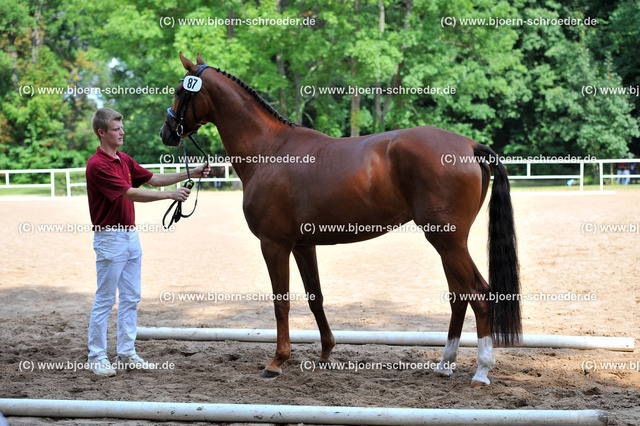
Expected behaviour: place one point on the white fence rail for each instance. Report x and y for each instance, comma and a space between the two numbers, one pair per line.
579, 176
604, 176
171, 168
164, 168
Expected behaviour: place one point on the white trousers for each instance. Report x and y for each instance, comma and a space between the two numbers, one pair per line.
118, 266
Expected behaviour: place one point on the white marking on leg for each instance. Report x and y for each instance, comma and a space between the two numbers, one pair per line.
485, 360
449, 357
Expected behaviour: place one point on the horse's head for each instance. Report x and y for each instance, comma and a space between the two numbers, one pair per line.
190, 104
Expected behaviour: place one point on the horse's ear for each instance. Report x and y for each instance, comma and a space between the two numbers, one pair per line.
199, 59
187, 64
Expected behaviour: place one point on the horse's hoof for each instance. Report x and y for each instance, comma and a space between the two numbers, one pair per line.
443, 372
269, 374
478, 385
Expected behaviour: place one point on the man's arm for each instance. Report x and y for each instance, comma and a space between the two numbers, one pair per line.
168, 179
147, 195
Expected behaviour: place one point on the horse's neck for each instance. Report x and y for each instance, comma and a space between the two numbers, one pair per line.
246, 129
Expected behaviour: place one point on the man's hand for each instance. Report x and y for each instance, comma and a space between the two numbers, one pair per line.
201, 171
180, 194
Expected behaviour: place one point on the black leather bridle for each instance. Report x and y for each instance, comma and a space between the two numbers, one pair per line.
183, 105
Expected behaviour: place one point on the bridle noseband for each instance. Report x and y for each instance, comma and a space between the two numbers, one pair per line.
191, 83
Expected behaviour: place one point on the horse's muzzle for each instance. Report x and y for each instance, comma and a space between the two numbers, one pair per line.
169, 136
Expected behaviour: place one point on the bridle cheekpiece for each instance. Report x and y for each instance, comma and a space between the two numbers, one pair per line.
192, 84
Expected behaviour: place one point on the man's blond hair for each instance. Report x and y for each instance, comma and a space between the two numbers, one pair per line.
102, 118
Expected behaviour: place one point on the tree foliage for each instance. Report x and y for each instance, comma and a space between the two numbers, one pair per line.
519, 88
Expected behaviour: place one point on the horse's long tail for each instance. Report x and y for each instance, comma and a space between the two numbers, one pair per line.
504, 280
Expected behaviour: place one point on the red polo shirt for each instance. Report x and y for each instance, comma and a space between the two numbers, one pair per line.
108, 178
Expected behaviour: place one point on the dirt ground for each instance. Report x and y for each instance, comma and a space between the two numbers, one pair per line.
395, 282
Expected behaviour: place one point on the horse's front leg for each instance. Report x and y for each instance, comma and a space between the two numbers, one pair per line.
277, 258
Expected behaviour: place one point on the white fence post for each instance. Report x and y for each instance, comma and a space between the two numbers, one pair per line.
601, 168
68, 177
53, 183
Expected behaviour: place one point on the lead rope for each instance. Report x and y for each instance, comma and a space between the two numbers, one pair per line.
177, 214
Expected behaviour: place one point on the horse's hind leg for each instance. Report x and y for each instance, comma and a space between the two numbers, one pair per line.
307, 263
450, 352
466, 285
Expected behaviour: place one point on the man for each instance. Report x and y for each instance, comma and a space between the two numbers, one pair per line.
113, 181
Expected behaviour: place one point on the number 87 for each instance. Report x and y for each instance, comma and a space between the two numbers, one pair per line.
192, 83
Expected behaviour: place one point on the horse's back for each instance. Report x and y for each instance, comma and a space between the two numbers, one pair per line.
385, 178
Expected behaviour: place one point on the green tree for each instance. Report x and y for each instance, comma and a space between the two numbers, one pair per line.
40, 130
518, 88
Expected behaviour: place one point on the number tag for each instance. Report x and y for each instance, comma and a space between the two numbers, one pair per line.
192, 83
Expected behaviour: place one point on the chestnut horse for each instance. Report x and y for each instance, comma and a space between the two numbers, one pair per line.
378, 182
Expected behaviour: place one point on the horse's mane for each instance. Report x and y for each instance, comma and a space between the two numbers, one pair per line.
271, 110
